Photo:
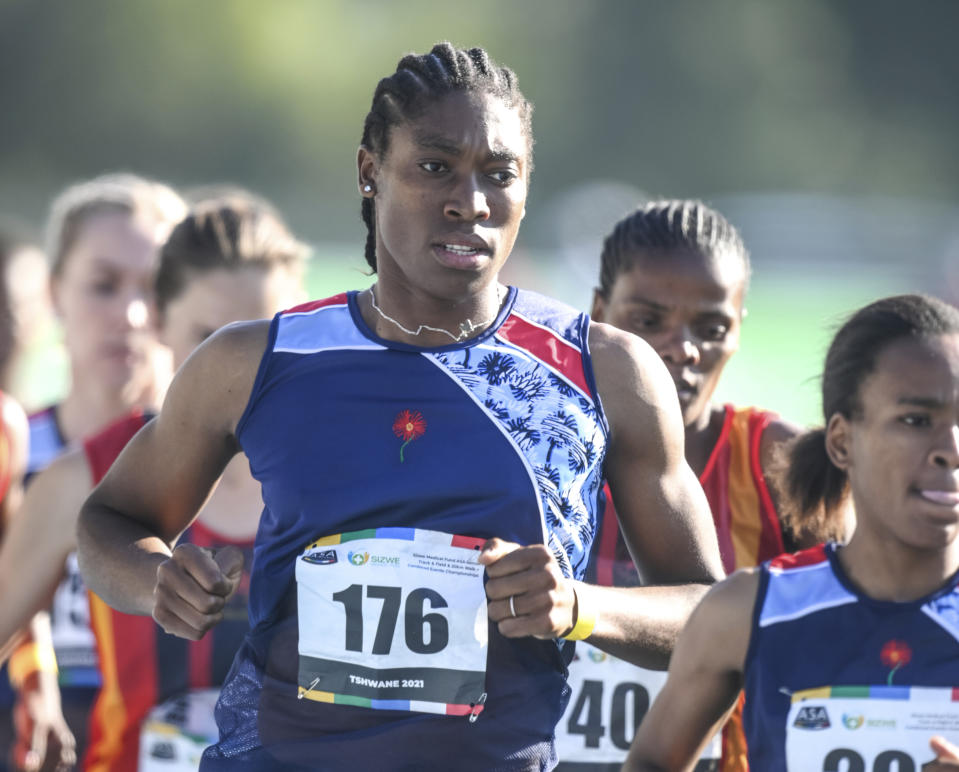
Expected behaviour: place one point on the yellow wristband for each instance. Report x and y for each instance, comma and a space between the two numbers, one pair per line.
585, 621
28, 659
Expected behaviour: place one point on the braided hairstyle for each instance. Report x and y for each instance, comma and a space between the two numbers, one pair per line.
811, 486
422, 79
665, 226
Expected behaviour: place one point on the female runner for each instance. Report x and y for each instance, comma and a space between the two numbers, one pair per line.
675, 273
395, 432
231, 258
102, 240
849, 655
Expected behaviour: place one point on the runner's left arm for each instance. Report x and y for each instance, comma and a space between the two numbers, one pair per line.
31, 568
663, 514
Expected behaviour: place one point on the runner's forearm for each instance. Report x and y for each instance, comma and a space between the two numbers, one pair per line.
119, 559
640, 624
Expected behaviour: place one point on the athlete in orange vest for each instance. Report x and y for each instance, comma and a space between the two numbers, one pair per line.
675, 273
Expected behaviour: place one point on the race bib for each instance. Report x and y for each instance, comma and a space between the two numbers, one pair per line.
73, 639
868, 728
393, 619
176, 733
609, 699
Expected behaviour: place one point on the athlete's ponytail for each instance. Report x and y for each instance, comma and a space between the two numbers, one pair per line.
812, 488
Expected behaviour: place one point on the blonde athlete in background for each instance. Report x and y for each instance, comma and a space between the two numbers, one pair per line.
102, 240
231, 258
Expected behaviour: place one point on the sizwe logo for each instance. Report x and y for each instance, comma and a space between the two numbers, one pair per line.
358, 558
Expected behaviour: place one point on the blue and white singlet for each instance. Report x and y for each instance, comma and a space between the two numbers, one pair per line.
502, 435
835, 678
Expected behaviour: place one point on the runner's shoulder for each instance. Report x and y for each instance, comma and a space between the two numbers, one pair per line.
722, 621
232, 353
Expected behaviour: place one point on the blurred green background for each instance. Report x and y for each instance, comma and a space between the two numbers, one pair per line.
825, 130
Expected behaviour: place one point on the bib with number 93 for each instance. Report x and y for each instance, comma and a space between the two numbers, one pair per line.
868, 728
393, 619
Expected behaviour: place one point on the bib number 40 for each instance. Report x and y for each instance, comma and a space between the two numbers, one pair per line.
425, 633
586, 717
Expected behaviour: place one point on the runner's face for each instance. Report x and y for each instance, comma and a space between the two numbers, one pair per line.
215, 298
688, 307
103, 296
449, 195
902, 452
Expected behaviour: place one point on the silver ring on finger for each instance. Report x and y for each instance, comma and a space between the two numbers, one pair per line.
512, 608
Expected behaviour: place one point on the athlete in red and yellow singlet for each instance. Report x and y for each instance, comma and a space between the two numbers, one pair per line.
141, 665
747, 526
675, 274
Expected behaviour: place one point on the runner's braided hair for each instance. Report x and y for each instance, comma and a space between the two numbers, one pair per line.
422, 79
665, 226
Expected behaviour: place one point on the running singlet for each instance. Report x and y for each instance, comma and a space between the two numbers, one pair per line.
384, 466
836, 680
610, 697
143, 666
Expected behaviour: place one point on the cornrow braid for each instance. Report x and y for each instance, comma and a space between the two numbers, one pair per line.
667, 225
420, 80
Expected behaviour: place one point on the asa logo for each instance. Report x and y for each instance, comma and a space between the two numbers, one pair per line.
321, 558
812, 717
852, 722
358, 558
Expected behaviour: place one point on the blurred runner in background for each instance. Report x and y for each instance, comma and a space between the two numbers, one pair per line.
102, 240
676, 274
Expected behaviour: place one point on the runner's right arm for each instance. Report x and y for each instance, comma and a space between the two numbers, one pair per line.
158, 484
705, 678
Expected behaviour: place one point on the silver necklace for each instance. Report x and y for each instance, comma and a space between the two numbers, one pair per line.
467, 327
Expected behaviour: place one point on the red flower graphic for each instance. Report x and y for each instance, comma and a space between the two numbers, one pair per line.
895, 654
408, 425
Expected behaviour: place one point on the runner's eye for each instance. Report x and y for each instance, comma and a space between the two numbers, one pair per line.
504, 177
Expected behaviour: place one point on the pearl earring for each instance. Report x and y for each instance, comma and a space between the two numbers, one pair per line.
367, 188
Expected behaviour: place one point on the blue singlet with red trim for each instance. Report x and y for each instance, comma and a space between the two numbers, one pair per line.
502, 435
814, 630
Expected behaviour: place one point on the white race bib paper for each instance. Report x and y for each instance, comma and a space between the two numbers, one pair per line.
176, 733
609, 699
393, 619
868, 728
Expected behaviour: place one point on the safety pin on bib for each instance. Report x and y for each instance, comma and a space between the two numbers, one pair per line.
308, 689
477, 708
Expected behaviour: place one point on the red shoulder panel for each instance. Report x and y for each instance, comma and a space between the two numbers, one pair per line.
547, 346
336, 300
806, 557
